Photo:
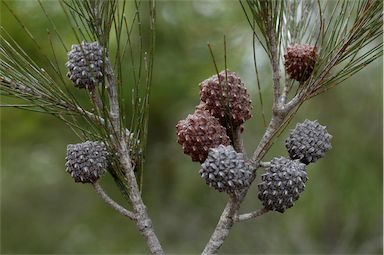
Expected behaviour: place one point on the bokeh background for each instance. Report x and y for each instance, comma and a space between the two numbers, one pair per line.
44, 211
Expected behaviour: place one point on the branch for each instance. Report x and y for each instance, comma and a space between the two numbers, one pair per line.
226, 219
286, 89
113, 99
96, 99
275, 65
24, 90
97, 18
294, 102
264, 164
238, 141
223, 226
99, 190
279, 113
143, 222
251, 215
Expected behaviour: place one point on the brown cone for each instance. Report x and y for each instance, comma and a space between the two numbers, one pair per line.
198, 133
300, 60
223, 101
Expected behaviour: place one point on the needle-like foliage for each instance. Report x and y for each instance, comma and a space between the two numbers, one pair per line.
119, 27
343, 37
346, 34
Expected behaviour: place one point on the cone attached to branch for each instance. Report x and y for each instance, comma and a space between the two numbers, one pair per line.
198, 133
300, 59
225, 169
308, 142
87, 161
282, 184
85, 64
226, 96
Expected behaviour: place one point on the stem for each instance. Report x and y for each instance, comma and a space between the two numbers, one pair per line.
113, 99
99, 190
237, 141
142, 220
37, 94
279, 113
96, 99
264, 164
275, 63
286, 89
251, 215
226, 219
222, 229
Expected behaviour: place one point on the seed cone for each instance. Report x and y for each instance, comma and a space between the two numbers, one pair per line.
282, 184
198, 133
226, 99
308, 142
225, 169
87, 161
85, 64
300, 59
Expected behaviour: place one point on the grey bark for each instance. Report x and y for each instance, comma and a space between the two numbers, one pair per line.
99, 190
279, 113
142, 220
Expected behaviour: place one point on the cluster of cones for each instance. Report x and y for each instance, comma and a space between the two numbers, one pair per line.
224, 106
224, 102
205, 135
285, 178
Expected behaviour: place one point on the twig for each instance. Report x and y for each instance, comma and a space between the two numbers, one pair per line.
275, 64
251, 215
223, 226
99, 190
238, 141
214, 60
96, 99
279, 114
286, 89
264, 164
226, 219
26, 90
142, 220
294, 102
113, 99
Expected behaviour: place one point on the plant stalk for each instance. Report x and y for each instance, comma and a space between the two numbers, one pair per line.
142, 220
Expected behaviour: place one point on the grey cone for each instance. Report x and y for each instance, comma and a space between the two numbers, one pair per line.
85, 64
225, 169
282, 184
87, 161
308, 142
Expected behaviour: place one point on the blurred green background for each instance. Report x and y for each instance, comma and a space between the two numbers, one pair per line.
44, 211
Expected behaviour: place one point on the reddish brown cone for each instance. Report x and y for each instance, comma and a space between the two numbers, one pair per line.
223, 101
198, 133
300, 60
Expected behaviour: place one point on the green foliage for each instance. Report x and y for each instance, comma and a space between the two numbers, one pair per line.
263, 11
341, 210
108, 23
348, 35
343, 40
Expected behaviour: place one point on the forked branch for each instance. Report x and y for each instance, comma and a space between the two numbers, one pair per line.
99, 190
